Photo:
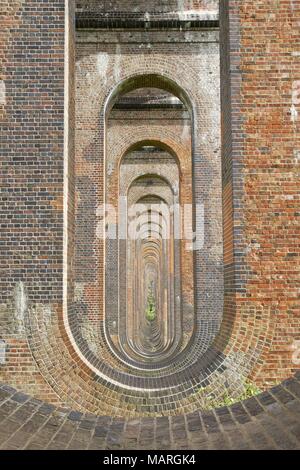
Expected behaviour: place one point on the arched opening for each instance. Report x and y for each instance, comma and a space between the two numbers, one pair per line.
141, 139
151, 318
170, 92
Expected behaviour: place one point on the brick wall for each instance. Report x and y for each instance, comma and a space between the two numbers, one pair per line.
260, 160
125, 129
32, 175
104, 60
260, 171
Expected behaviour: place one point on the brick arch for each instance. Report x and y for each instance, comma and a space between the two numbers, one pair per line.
65, 371
151, 174
259, 321
123, 143
167, 140
88, 383
136, 73
99, 147
231, 332
177, 147
168, 73
267, 421
171, 71
138, 80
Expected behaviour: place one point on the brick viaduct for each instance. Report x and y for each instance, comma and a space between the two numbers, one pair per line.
194, 102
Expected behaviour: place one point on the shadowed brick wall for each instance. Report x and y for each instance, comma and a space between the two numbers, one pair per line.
260, 165
32, 145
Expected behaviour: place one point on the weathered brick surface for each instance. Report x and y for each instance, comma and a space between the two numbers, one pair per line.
32, 109
269, 421
261, 177
162, 6
260, 160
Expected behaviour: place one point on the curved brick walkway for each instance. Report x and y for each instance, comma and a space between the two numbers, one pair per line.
269, 421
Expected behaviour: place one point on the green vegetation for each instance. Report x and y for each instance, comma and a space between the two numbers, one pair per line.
250, 390
150, 310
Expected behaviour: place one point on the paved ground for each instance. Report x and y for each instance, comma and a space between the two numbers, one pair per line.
269, 421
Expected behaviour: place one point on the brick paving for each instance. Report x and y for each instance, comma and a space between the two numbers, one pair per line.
270, 420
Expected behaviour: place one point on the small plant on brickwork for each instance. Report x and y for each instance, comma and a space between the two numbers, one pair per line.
150, 310
250, 390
